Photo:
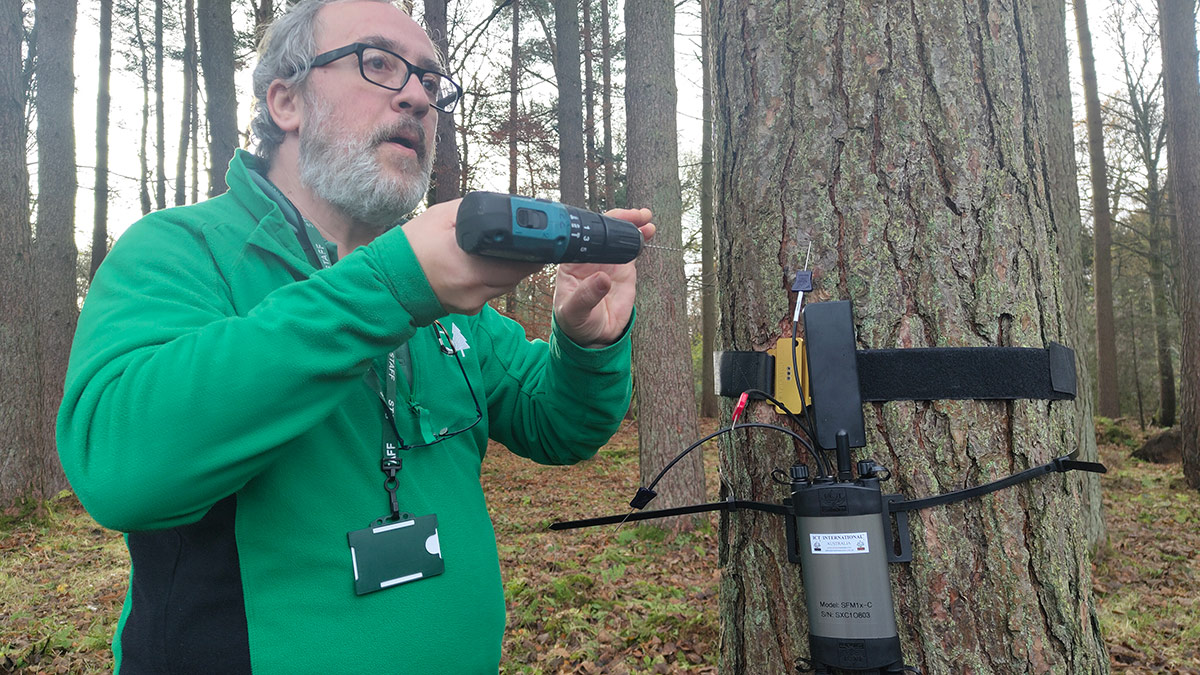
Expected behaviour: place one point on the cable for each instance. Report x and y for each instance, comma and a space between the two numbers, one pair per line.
715, 434
808, 444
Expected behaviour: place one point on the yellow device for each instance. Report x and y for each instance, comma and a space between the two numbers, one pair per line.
785, 385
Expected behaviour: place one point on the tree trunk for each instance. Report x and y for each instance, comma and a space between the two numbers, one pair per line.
570, 103
216, 60
1177, 21
708, 259
103, 104
1063, 196
606, 104
1106, 338
661, 350
908, 142
143, 69
446, 165
160, 134
54, 244
589, 107
189, 100
1158, 296
20, 397
514, 88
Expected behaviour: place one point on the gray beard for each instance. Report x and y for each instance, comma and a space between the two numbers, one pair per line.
345, 170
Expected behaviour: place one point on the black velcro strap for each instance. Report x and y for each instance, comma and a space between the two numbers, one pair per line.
736, 372
966, 373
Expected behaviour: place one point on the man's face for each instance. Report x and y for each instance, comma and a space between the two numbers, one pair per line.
365, 149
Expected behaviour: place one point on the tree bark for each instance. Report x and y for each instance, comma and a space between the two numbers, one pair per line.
606, 104
708, 259
661, 350
20, 397
103, 104
908, 143
570, 103
589, 108
514, 88
1063, 196
216, 60
160, 134
189, 100
446, 165
1177, 22
54, 244
143, 70
1106, 338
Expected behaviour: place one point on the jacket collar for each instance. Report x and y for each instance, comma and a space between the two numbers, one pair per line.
274, 232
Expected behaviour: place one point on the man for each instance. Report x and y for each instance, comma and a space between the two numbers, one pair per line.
258, 383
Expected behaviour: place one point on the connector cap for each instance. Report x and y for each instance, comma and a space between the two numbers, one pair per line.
642, 498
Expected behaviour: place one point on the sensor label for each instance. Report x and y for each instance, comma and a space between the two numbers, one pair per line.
838, 543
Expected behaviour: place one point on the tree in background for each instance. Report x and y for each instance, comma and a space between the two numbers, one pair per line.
1138, 130
103, 105
661, 350
186, 119
909, 144
21, 468
1177, 21
1106, 340
708, 263
446, 179
570, 103
217, 63
54, 250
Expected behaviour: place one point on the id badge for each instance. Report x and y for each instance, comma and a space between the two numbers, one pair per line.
395, 553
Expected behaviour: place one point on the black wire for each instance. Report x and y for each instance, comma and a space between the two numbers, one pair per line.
719, 432
799, 388
808, 444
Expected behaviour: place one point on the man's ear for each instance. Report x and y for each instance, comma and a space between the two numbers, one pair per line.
285, 105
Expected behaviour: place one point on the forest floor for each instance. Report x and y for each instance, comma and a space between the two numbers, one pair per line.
631, 600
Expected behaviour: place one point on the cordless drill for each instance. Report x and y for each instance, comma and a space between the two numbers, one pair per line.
538, 230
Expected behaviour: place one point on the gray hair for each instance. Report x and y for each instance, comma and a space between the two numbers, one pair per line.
284, 53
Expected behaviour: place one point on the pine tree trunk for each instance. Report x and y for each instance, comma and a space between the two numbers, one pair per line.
661, 351
606, 57
1177, 22
908, 143
570, 103
514, 88
708, 247
216, 60
189, 100
20, 397
103, 104
143, 69
160, 134
54, 247
589, 108
1106, 337
1063, 195
447, 171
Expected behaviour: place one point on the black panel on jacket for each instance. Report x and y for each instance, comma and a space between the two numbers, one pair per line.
188, 613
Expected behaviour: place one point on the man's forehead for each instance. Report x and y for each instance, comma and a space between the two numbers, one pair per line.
376, 23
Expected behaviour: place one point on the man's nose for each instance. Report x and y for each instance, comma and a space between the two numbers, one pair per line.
412, 97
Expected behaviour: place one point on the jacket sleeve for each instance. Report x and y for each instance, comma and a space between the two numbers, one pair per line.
172, 401
555, 402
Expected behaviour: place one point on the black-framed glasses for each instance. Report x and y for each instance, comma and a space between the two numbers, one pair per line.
446, 343
389, 70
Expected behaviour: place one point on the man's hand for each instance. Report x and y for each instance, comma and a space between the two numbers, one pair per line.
593, 303
463, 283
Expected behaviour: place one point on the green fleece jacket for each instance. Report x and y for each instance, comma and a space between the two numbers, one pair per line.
215, 409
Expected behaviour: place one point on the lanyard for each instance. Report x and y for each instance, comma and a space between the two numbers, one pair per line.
390, 443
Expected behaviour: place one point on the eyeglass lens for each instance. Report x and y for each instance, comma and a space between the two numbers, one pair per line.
388, 70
